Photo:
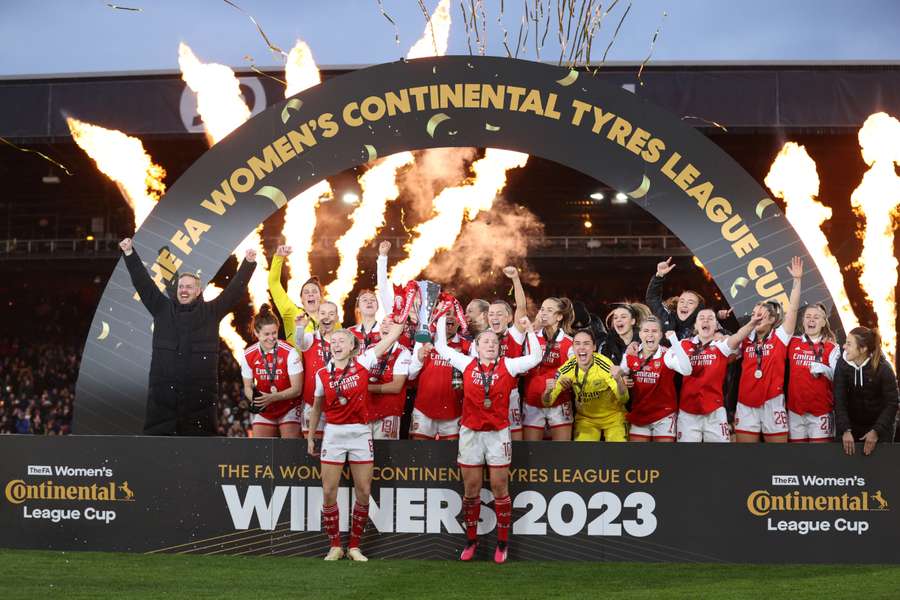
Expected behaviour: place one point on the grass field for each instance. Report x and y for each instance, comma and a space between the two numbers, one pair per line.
27, 574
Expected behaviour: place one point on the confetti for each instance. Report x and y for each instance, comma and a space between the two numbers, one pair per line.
738, 283
271, 46
117, 7
568, 79
762, 205
104, 332
642, 189
713, 123
652, 44
434, 121
391, 21
370, 150
264, 74
292, 104
41, 154
490, 127
273, 194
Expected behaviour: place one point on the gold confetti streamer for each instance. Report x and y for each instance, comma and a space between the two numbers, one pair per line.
370, 150
762, 205
739, 283
273, 194
117, 7
292, 104
490, 127
264, 74
713, 123
427, 21
104, 331
652, 45
615, 35
642, 189
434, 121
271, 46
41, 154
568, 79
391, 21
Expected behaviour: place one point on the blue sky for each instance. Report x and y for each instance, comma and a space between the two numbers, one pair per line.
76, 36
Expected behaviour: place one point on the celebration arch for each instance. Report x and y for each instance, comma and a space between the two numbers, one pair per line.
668, 168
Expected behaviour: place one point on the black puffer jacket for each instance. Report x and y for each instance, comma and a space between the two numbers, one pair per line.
670, 321
184, 372
865, 399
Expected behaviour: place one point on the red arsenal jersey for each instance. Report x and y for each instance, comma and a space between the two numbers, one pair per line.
701, 391
352, 384
282, 363
368, 337
435, 397
753, 391
653, 394
555, 356
393, 364
314, 358
808, 393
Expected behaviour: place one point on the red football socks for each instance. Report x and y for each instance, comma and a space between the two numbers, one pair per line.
358, 523
471, 512
331, 524
503, 508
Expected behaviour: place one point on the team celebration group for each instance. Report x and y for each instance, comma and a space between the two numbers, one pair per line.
649, 372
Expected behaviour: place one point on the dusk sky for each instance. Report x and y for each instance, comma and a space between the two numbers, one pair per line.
79, 36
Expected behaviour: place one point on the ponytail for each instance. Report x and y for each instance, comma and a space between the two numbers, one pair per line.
264, 317
568, 313
871, 340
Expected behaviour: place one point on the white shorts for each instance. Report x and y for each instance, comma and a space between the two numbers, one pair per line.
478, 447
424, 427
294, 415
304, 424
810, 427
515, 411
663, 429
387, 428
347, 442
771, 418
555, 416
711, 427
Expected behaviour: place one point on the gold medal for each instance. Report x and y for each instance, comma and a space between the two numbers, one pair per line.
758, 373
342, 400
273, 389
487, 402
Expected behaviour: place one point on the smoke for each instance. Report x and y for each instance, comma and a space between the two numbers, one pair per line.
434, 169
497, 238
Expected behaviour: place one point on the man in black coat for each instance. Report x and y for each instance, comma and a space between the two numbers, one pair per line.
184, 367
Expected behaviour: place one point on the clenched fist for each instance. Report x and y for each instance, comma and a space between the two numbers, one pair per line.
126, 246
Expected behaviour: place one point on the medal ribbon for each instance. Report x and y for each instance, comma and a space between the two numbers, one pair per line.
336, 386
818, 349
270, 373
758, 348
486, 380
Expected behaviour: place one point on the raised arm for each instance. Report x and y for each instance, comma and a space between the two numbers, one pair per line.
519, 293
517, 366
654, 289
417, 360
735, 339
152, 299
385, 289
393, 334
223, 304
675, 357
459, 360
279, 296
790, 316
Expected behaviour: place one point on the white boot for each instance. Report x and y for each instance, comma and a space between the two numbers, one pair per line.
355, 554
335, 553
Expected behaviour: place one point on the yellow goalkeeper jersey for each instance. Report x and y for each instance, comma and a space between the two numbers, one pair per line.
596, 393
286, 307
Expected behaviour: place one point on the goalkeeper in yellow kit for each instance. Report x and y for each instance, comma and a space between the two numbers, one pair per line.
599, 391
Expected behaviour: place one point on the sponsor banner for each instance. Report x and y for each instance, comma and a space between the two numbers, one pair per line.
586, 502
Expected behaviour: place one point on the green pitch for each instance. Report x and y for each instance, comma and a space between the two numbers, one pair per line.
26, 574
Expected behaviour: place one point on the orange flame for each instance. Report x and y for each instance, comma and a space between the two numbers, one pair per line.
877, 199
301, 73
219, 100
455, 204
227, 330
703, 268
123, 159
379, 182
793, 177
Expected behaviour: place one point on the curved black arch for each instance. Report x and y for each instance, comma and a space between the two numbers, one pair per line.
112, 383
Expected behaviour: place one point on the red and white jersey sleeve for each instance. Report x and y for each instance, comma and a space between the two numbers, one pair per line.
753, 391
313, 360
259, 368
701, 391
395, 363
808, 392
653, 394
354, 388
436, 398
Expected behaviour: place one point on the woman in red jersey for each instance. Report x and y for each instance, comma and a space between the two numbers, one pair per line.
484, 434
439, 394
760, 407
342, 395
366, 328
654, 401
555, 318
387, 391
812, 357
701, 409
315, 347
274, 368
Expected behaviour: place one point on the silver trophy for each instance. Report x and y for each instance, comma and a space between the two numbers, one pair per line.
429, 292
